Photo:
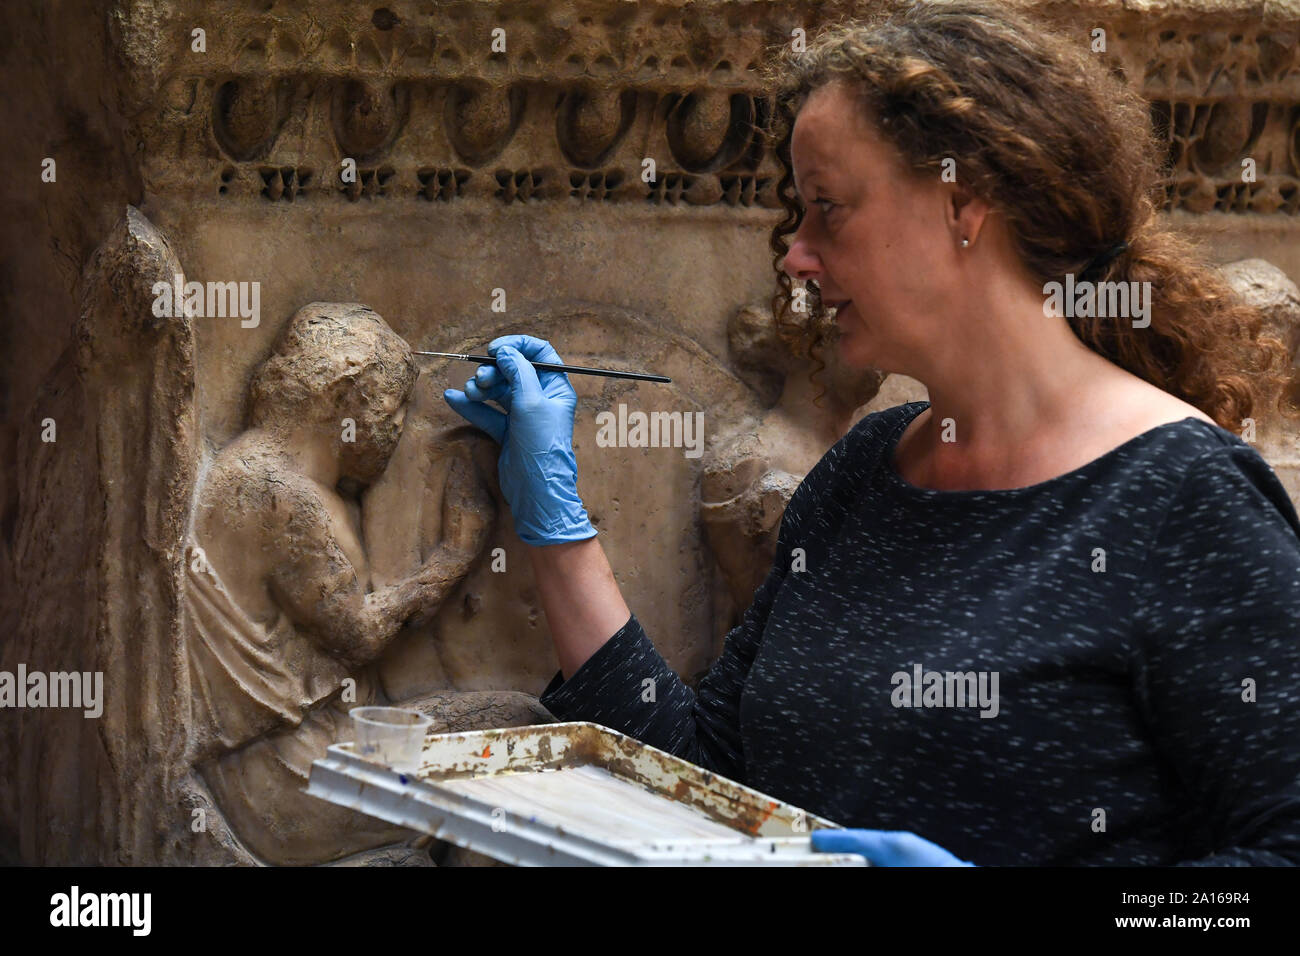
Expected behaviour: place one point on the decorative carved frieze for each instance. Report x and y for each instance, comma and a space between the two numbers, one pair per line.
570, 101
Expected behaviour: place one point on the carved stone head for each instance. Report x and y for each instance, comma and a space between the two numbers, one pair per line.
334, 362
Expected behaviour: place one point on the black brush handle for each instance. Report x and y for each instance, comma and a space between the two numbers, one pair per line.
549, 367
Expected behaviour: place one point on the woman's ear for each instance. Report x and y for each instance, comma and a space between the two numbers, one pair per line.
964, 213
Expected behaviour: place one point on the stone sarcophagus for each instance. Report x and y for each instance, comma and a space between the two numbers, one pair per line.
237, 495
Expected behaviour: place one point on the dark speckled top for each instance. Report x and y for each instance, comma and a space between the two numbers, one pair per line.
1141, 615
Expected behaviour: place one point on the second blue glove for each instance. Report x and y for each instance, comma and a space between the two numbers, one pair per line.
885, 847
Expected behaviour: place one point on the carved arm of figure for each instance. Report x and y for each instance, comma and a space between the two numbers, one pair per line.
319, 587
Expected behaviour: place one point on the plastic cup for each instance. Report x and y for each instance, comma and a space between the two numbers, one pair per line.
390, 735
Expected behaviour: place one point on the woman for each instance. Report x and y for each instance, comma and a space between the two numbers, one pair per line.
1048, 617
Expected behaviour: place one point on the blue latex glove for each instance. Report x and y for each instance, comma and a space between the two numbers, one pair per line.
538, 473
885, 847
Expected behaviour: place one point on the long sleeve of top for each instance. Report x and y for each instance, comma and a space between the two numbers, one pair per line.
1099, 669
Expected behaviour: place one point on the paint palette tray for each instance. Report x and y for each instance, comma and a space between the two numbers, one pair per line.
575, 793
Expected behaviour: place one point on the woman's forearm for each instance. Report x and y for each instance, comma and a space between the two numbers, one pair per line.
584, 606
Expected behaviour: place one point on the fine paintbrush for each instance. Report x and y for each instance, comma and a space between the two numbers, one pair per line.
548, 367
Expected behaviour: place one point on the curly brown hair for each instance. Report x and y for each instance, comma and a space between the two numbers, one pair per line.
1065, 150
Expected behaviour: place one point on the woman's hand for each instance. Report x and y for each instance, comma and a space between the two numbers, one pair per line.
538, 473
885, 847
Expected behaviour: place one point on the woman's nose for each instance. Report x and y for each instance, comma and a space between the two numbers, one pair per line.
800, 262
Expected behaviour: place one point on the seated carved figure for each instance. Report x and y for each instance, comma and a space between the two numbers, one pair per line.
282, 624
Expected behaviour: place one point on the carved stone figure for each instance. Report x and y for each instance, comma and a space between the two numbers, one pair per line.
749, 478
282, 623
235, 615
1268, 288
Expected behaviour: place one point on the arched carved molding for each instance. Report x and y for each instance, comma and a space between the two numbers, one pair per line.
481, 121
247, 115
367, 117
589, 124
709, 130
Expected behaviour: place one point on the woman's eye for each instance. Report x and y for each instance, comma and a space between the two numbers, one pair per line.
827, 201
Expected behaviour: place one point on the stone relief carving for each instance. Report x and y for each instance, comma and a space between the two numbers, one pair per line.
280, 613
749, 478
98, 570
276, 616
574, 105
136, 550
1267, 287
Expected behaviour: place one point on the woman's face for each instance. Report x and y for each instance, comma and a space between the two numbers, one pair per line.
874, 233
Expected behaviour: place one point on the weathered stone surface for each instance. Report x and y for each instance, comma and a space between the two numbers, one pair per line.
388, 856
1269, 289
483, 181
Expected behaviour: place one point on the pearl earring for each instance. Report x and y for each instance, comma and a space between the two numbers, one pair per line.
965, 243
